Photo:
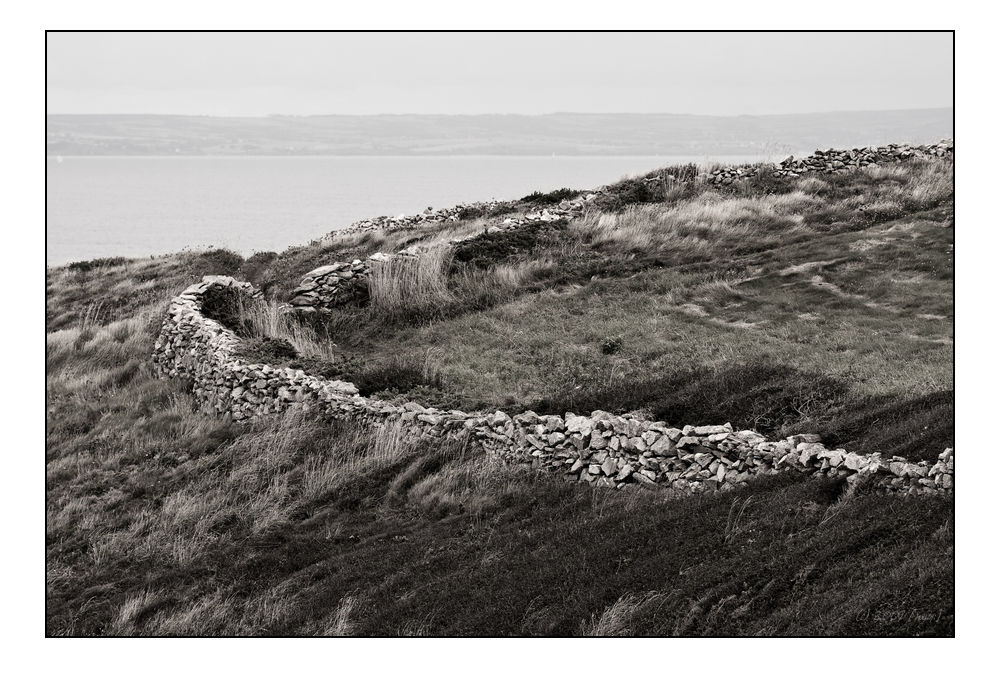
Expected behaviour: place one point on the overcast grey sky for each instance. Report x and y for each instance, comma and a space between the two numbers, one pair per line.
234, 74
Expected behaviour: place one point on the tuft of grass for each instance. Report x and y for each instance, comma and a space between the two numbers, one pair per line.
471, 213
98, 263
341, 624
616, 619
548, 198
733, 526
269, 350
505, 246
265, 320
612, 345
407, 284
397, 375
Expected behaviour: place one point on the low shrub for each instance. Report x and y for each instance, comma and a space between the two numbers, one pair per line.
763, 182
317, 366
611, 345
553, 197
918, 428
397, 375
764, 397
470, 213
632, 192
254, 268
490, 249
218, 261
269, 350
88, 265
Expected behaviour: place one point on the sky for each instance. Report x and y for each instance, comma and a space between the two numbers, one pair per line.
256, 74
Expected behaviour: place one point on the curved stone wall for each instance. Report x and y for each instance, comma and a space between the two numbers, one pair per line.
602, 449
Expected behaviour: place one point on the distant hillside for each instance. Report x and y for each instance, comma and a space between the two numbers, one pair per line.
490, 134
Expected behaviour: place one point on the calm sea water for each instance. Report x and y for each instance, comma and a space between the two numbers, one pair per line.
139, 206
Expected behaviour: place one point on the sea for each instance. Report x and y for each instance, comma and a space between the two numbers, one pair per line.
137, 206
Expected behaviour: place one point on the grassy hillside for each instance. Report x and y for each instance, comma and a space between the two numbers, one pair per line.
819, 305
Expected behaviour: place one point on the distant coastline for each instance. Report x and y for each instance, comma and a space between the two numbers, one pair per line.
487, 135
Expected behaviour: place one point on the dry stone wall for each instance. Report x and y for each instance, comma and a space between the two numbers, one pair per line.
602, 449
833, 160
344, 283
347, 282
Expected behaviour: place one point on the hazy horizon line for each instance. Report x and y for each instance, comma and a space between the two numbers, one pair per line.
472, 114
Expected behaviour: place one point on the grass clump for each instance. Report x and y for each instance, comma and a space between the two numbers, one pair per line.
270, 350
472, 213
548, 198
223, 261
919, 428
98, 263
397, 375
229, 307
612, 345
505, 246
631, 192
404, 284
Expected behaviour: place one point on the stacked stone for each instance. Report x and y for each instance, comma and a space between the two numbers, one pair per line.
193, 346
341, 283
345, 283
602, 449
332, 285
430, 215
567, 209
610, 450
832, 160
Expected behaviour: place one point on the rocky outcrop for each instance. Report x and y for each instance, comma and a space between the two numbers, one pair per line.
603, 449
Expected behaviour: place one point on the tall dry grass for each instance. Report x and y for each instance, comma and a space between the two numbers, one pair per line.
469, 483
933, 183
404, 283
267, 319
617, 618
711, 222
700, 224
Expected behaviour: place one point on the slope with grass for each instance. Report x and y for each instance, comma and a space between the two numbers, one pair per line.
603, 449
733, 299
821, 305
